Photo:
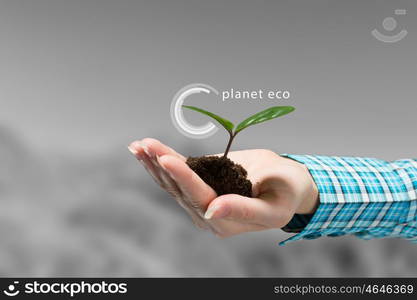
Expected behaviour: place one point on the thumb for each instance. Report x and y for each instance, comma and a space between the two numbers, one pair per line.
247, 210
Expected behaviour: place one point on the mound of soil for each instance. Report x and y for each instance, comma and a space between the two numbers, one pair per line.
222, 174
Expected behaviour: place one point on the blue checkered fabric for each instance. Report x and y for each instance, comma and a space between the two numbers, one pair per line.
367, 197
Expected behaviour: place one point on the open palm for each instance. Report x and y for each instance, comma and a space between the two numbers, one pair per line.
280, 188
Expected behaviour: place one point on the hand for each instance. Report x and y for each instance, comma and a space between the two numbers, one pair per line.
281, 187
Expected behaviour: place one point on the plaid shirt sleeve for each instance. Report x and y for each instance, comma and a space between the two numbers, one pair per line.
366, 197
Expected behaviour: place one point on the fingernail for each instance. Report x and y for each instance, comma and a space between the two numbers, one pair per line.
132, 150
210, 212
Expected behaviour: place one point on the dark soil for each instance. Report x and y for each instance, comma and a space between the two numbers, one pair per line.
222, 174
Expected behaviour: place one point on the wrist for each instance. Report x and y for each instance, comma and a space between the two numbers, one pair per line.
310, 197
307, 193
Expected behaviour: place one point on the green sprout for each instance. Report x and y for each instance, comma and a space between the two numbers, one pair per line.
262, 116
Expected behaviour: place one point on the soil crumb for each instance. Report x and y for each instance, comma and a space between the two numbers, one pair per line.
222, 174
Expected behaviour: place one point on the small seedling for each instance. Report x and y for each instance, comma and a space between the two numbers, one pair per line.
262, 116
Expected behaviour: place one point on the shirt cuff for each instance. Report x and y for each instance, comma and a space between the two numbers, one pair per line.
367, 197
298, 223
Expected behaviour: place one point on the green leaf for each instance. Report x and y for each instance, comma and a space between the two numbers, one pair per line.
265, 115
225, 123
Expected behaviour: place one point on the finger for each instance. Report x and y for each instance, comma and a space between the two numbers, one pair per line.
245, 210
149, 166
172, 188
139, 150
161, 177
196, 191
154, 147
169, 185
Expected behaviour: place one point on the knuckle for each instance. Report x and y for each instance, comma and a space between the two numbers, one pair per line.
266, 152
222, 235
198, 224
283, 219
173, 192
246, 213
193, 206
149, 141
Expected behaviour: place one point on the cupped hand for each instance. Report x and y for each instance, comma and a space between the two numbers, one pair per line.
281, 187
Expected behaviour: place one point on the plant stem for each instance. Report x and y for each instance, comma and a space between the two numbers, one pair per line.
232, 136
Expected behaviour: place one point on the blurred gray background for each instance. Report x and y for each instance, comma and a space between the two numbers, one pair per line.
80, 80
